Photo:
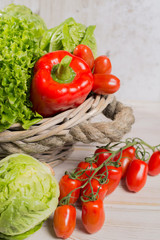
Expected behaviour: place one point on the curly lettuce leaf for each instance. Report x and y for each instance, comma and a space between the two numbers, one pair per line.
34, 21
20, 35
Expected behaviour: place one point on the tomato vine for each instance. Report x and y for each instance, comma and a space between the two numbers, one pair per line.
99, 175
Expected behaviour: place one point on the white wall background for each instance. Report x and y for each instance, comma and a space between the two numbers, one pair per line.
128, 31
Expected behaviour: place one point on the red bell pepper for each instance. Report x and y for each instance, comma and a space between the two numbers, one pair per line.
61, 81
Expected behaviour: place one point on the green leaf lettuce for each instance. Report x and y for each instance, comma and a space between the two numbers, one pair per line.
20, 35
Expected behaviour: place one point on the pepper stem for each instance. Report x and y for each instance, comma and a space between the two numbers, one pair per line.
63, 71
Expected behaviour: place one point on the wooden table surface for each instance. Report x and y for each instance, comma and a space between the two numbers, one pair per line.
129, 216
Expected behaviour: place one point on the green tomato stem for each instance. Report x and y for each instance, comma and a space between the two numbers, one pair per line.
128, 143
145, 144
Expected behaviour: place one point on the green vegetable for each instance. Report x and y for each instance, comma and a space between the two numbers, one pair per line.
67, 36
28, 195
24, 38
20, 35
89, 40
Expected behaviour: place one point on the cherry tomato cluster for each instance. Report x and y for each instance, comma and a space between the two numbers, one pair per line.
104, 81
97, 177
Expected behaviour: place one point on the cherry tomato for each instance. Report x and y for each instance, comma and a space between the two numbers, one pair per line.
105, 84
85, 53
125, 162
66, 185
102, 155
93, 215
102, 65
114, 176
136, 175
64, 221
88, 172
130, 151
127, 156
95, 186
154, 164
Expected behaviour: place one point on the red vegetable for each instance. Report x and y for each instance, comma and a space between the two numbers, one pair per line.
102, 155
154, 164
93, 215
126, 157
130, 151
102, 65
66, 185
85, 53
85, 166
136, 175
64, 221
61, 81
114, 176
103, 188
125, 162
105, 84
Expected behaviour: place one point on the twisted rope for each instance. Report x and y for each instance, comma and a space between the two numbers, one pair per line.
85, 132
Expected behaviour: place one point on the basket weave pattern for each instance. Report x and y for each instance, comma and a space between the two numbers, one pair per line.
52, 139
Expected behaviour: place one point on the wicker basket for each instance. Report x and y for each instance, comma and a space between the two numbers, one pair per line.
52, 139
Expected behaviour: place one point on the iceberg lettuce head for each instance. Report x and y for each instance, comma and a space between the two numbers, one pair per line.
28, 195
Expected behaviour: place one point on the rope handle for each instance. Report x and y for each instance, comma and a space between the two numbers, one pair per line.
105, 132
85, 132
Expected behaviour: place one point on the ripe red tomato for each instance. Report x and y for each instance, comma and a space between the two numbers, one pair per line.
102, 155
102, 65
130, 151
95, 186
154, 164
136, 175
114, 176
105, 84
88, 172
127, 156
66, 185
64, 221
85, 53
93, 215
125, 162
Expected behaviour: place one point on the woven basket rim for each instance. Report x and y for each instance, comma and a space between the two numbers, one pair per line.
59, 124
53, 139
